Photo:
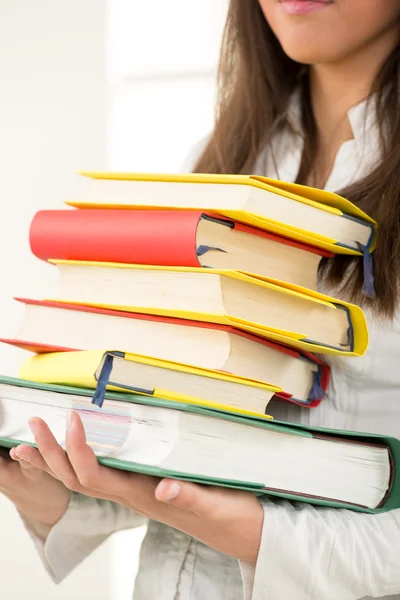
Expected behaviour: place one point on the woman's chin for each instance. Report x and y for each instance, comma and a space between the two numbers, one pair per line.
309, 53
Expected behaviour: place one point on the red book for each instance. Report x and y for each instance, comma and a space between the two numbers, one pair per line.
171, 238
56, 326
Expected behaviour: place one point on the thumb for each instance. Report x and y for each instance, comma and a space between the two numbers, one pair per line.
187, 496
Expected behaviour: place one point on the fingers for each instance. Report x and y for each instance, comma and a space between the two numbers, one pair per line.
190, 497
88, 471
134, 490
53, 455
82, 458
14, 470
30, 460
77, 468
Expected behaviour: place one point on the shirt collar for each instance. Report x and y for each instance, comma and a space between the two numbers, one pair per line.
362, 117
281, 157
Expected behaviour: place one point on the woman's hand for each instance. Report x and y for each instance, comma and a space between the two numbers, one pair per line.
39, 497
229, 521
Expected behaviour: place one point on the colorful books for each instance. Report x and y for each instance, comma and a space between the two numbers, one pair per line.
311, 216
341, 469
306, 320
221, 316
52, 326
172, 238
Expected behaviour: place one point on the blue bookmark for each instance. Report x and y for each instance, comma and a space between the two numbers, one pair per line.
368, 288
203, 249
99, 395
317, 390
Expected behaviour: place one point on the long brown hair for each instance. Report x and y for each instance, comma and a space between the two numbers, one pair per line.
255, 82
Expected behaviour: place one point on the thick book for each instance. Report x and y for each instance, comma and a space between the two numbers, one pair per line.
286, 313
340, 469
54, 326
306, 214
172, 238
145, 375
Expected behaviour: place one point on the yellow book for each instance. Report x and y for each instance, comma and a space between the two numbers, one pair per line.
144, 375
286, 313
308, 215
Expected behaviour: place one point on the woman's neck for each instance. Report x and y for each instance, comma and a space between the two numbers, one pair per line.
334, 90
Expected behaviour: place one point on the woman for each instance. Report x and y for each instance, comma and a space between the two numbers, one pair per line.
309, 92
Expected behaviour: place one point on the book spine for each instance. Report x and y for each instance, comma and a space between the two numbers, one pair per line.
151, 237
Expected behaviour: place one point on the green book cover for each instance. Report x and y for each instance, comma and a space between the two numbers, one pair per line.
392, 501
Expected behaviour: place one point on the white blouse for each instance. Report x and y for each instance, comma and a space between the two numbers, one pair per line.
307, 553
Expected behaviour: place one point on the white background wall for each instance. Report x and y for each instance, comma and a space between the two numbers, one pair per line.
92, 84
161, 66
53, 106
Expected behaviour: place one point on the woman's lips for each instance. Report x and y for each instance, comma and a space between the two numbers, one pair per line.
304, 7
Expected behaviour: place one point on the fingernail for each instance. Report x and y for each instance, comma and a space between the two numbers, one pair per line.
17, 458
171, 492
33, 425
15, 455
70, 420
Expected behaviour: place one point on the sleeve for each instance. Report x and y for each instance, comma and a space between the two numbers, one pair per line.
310, 553
86, 524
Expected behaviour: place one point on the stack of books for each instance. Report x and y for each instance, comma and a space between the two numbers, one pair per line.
187, 303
